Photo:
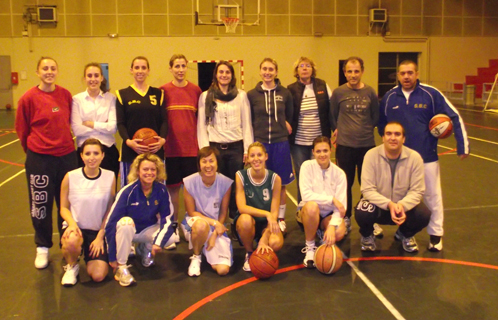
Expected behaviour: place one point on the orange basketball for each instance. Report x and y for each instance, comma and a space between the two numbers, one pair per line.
263, 265
147, 135
328, 259
441, 126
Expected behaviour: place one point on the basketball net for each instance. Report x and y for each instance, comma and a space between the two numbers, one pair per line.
230, 24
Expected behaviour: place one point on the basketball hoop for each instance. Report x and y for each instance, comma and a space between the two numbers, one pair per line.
230, 24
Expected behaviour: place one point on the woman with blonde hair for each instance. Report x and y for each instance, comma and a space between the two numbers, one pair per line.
134, 217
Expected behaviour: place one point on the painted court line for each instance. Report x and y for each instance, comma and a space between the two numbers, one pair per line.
482, 140
472, 207
374, 290
8, 144
471, 154
20, 172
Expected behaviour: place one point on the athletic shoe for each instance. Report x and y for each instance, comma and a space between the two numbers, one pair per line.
145, 254
246, 266
176, 237
409, 243
194, 270
368, 243
319, 234
71, 275
124, 276
309, 258
435, 244
41, 260
282, 225
186, 234
378, 232
347, 222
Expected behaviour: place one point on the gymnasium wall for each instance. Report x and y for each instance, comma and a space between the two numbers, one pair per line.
454, 37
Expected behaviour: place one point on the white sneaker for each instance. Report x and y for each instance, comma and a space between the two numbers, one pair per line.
41, 260
176, 237
194, 270
378, 232
124, 276
246, 266
282, 225
145, 254
71, 275
309, 258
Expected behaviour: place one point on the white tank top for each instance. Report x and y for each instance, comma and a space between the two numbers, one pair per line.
88, 197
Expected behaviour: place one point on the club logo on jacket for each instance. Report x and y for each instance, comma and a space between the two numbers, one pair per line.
420, 106
156, 202
56, 109
279, 98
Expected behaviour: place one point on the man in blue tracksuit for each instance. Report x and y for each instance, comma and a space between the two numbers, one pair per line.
413, 104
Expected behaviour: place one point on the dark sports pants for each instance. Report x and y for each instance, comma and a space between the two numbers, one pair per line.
45, 174
367, 214
231, 161
350, 160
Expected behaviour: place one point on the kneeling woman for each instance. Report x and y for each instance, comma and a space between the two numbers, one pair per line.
141, 214
86, 197
323, 189
258, 200
207, 194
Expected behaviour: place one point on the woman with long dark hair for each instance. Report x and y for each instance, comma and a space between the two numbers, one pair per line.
94, 116
224, 122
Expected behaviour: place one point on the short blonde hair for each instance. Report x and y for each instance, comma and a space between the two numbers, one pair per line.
161, 172
312, 64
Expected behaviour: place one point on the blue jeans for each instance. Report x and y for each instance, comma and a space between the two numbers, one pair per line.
299, 155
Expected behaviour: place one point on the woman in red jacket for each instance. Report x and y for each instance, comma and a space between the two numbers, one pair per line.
43, 127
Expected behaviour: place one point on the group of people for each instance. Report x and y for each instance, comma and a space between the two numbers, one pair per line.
204, 141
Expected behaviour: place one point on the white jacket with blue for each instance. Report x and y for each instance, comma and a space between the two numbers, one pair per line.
416, 113
131, 202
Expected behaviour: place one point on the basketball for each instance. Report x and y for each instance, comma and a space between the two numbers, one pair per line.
147, 135
441, 126
328, 259
263, 265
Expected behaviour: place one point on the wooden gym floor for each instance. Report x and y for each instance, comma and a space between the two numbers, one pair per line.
458, 283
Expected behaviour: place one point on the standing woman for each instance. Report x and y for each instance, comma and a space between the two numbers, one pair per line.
224, 122
87, 195
272, 111
206, 195
140, 106
94, 116
311, 118
258, 199
43, 126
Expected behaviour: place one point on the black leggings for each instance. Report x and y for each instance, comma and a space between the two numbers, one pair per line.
45, 174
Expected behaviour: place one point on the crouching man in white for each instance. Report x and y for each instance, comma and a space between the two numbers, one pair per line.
323, 187
134, 217
207, 195
392, 184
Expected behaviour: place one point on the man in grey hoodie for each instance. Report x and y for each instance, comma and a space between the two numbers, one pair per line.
392, 185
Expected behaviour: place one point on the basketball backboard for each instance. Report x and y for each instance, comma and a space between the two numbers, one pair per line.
212, 12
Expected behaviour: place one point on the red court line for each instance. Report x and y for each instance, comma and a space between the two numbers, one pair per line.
6, 133
446, 152
12, 163
476, 125
239, 284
